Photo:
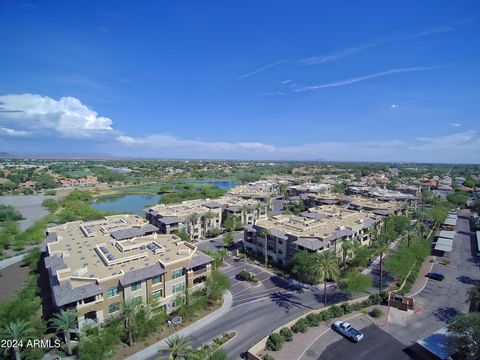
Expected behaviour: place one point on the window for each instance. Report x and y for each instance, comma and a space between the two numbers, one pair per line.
136, 286
137, 300
178, 301
113, 307
156, 279
156, 294
280, 242
177, 273
113, 291
178, 287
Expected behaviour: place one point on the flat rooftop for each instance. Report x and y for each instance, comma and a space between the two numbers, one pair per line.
336, 219
112, 247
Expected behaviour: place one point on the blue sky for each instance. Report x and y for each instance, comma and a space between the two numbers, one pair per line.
349, 80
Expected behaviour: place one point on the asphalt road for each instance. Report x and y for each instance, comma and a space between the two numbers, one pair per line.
376, 345
212, 245
440, 301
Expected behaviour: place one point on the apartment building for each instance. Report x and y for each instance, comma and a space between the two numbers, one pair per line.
261, 190
316, 230
196, 217
96, 266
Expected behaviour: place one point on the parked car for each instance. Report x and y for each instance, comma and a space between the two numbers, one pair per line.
348, 331
435, 276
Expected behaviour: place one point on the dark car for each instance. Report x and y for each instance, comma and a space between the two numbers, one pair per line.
435, 276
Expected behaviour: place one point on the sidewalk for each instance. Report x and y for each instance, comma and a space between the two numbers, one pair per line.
10, 261
153, 350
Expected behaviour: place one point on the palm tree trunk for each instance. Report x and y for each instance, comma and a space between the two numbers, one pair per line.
16, 350
265, 247
381, 273
325, 292
68, 342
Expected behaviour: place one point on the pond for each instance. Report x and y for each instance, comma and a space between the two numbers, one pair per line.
135, 203
125, 203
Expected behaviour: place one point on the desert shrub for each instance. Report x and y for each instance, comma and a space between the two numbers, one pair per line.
301, 326
268, 357
287, 334
376, 313
337, 311
274, 342
314, 319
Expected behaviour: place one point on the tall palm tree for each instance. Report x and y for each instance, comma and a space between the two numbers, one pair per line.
129, 311
193, 219
222, 253
347, 247
381, 247
177, 346
327, 266
17, 330
64, 322
265, 233
206, 219
473, 297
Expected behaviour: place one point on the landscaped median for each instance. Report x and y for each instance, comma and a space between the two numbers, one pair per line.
266, 348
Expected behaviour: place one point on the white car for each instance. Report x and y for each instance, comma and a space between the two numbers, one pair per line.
348, 331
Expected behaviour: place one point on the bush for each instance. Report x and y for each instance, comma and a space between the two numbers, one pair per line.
326, 314
287, 334
301, 326
314, 319
274, 342
337, 311
268, 357
376, 313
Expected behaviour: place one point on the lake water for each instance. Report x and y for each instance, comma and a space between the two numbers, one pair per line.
137, 203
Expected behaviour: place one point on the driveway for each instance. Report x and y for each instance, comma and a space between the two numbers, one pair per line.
214, 244
440, 301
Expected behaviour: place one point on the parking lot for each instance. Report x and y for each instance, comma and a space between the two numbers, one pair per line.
268, 283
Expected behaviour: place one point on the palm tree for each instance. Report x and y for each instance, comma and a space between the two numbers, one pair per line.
347, 247
193, 219
327, 266
381, 247
177, 346
209, 215
17, 330
265, 233
64, 322
129, 311
473, 297
222, 253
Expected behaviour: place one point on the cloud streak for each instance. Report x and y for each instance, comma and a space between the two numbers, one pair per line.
262, 68
344, 82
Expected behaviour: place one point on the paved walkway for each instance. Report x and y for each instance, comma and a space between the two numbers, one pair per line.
154, 349
422, 280
10, 261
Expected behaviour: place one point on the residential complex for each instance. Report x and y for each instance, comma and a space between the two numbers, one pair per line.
198, 217
322, 228
95, 266
261, 190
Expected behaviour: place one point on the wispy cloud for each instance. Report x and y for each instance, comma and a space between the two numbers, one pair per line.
302, 88
319, 59
263, 68
455, 124
13, 132
398, 104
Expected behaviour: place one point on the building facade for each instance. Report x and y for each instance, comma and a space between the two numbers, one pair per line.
96, 266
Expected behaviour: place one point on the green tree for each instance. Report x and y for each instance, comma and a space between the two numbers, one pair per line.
228, 239
216, 285
328, 266
437, 213
177, 347
381, 248
464, 335
473, 297
354, 282
18, 330
64, 322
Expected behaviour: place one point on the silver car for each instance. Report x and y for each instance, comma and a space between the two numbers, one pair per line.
348, 331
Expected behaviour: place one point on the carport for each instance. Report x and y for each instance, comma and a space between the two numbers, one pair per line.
444, 244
